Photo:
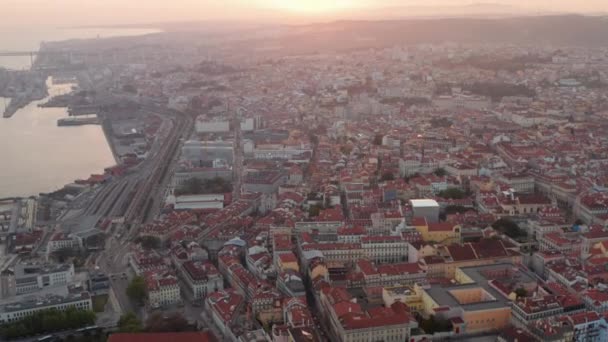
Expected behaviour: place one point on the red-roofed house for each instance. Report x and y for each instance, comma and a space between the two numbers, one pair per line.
287, 261
441, 232
225, 307
162, 288
350, 323
201, 277
163, 337
390, 274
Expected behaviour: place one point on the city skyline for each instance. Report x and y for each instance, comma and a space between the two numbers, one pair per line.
113, 12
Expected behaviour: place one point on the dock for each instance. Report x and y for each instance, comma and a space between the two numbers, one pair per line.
78, 121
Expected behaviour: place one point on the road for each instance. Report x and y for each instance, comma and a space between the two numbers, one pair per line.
119, 285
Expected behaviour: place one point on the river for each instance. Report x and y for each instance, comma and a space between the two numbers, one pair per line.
38, 156
35, 154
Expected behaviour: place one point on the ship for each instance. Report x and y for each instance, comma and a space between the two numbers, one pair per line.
78, 121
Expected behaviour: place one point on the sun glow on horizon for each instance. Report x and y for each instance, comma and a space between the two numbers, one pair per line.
314, 6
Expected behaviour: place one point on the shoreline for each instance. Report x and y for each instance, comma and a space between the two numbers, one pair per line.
58, 187
106, 133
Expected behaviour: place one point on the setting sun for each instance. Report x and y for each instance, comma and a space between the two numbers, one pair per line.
313, 6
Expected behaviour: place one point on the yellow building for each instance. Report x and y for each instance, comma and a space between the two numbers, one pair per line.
318, 268
476, 296
409, 295
440, 232
599, 250
288, 261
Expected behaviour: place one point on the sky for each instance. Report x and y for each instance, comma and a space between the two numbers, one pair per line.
110, 12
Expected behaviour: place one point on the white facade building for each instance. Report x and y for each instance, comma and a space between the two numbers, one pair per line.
23, 307
201, 277
162, 290
32, 278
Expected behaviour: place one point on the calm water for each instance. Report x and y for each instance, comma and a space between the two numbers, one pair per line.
28, 39
37, 156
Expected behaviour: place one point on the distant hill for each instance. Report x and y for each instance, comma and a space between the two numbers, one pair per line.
344, 35
404, 12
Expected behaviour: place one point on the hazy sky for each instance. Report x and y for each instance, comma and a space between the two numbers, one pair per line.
93, 12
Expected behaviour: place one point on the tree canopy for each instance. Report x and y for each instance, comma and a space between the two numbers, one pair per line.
509, 228
453, 209
46, 321
452, 193
496, 91
441, 122
129, 323
521, 292
434, 324
314, 210
387, 176
440, 172
196, 186
137, 289
174, 322
149, 242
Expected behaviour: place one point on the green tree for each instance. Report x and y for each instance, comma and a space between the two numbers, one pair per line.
509, 228
159, 322
46, 321
452, 193
64, 254
149, 242
191, 186
440, 122
521, 292
95, 241
497, 91
196, 186
129, 323
434, 324
137, 289
314, 210
453, 209
387, 176
440, 172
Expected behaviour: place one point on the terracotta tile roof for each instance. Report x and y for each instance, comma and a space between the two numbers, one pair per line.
461, 252
441, 227
163, 337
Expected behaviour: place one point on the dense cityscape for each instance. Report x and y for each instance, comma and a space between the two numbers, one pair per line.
397, 192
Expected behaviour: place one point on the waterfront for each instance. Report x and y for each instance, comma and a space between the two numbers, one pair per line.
38, 156
27, 39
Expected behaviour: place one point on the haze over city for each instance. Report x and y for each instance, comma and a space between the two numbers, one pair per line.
112, 12
303, 171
